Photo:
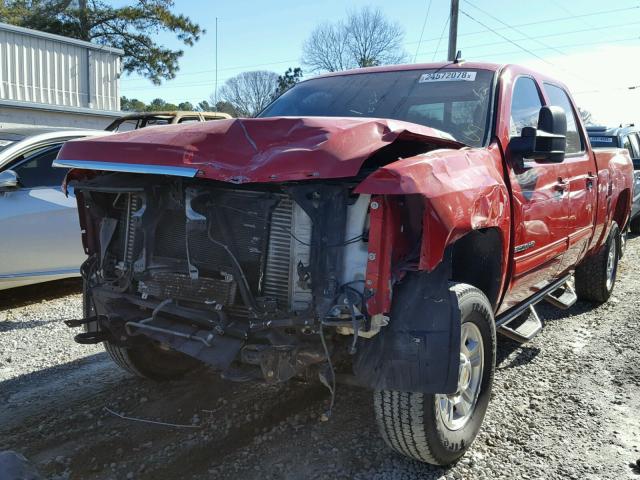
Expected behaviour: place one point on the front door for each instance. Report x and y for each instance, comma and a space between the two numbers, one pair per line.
39, 231
540, 211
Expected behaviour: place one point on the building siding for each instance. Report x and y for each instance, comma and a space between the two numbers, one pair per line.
47, 69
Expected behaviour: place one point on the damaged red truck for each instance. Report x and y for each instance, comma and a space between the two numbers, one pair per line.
381, 223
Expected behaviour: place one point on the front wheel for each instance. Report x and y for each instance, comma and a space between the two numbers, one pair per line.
439, 428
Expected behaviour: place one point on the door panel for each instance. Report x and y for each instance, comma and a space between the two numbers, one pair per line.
39, 228
581, 175
540, 213
40, 232
580, 172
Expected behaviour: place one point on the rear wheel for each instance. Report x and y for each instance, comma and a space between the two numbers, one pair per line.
439, 428
148, 360
634, 226
596, 275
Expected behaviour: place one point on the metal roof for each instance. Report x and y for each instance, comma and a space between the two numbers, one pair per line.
59, 38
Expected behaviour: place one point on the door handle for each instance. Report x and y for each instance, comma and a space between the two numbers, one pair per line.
562, 185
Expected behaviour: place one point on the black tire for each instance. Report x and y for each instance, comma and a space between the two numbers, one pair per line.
634, 225
411, 423
592, 274
147, 360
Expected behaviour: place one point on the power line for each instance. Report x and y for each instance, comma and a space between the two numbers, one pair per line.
505, 38
434, 52
535, 39
626, 39
440, 39
424, 24
539, 22
532, 53
562, 7
558, 34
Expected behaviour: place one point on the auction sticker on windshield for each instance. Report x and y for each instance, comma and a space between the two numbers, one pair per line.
456, 76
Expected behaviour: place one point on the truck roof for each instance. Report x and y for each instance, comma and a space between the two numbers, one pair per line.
417, 66
461, 65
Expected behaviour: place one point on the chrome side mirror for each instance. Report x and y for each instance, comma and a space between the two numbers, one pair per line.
8, 180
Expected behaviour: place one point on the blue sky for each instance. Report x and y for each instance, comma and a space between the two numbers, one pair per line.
598, 55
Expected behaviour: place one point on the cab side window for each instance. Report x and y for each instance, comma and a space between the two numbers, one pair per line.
36, 170
559, 98
525, 106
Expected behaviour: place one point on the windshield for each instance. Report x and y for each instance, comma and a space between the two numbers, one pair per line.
454, 101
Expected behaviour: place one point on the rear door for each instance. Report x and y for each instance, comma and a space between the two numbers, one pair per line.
39, 224
578, 172
539, 204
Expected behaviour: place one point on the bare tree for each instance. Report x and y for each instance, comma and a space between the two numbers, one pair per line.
586, 116
327, 48
366, 38
374, 40
250, 92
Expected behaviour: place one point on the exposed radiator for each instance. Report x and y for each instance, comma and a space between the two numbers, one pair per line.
263, 243
284, 252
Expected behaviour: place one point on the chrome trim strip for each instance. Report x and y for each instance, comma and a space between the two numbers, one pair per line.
127, 167
69, 271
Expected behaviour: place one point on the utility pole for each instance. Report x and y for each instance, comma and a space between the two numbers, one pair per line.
215, 92
453, 30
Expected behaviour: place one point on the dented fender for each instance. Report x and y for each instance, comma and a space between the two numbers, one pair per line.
461, 191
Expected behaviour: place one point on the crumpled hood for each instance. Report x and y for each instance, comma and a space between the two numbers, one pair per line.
255, 150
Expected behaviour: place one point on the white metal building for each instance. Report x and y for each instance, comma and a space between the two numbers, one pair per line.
52, 80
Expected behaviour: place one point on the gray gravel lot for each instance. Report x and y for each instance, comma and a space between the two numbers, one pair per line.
566, 405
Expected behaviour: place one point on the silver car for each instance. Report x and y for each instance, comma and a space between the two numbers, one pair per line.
39, 233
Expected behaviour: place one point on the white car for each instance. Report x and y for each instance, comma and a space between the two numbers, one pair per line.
39, 233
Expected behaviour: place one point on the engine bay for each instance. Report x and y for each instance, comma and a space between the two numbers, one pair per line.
232, 276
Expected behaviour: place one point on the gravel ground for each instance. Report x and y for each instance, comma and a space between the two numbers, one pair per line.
566, 405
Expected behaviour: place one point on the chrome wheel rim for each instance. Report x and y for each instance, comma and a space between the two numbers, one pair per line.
456, 409
611, 264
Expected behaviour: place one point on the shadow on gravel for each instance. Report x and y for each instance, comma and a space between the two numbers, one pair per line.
54, 375
7, 326
22, 296
524, 354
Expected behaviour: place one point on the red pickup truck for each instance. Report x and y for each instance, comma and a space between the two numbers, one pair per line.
382, 223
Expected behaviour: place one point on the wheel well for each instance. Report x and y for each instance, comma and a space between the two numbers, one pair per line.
622, 208
477, 260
